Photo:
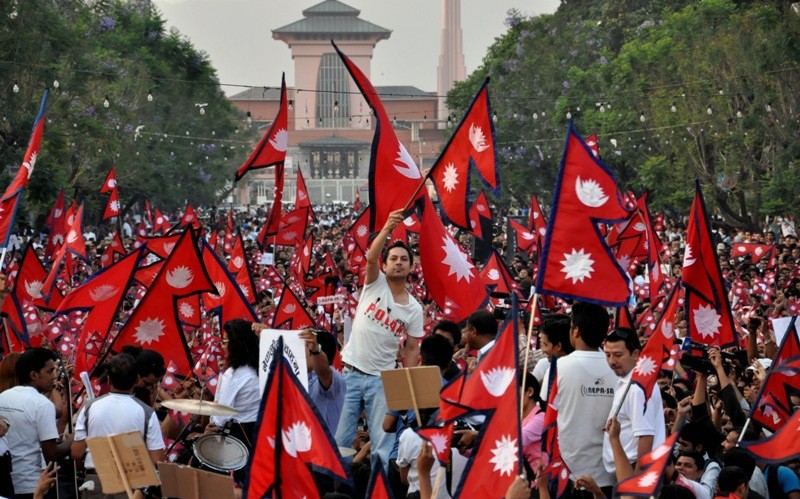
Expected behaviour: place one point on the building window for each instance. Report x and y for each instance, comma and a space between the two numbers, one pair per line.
333, 102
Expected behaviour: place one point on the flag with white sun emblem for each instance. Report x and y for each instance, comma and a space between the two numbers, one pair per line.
450, 276
229, 300
479, 213
393, 176
271, 149
708, 312
658, 349
471, 144
647, 482
576, 261
154, 323
100, 297
110, 187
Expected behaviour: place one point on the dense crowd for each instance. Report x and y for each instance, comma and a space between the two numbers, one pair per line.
606, 426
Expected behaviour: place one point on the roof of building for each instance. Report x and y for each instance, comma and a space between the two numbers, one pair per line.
332, 17
389, 92
333, 140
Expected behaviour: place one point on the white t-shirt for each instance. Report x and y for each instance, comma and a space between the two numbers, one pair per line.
407, 453
238, 388
585, 394
634, 421
33, 420
116, 413
379, 326
540, 370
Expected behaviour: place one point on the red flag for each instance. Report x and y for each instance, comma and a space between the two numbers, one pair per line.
755, 251
357, 236
148, 213
526, 241
472, 143
575, 258
781, 447
29, 282
707, 309
229, 235
301, 197
656, 353
189, 311
290, 312
189, 218
536, 221
478, 211
273, 222
147, 274
162, 223
591, 141
450, 276
110, 183
657, 277
290, 440
779, 385
497, 277
9, 203
357, 202
293, 227
393, 175
648, 480
271, 150
378, 483
440, 437
162, 246
56, 216
101, 297
73, 244
154, 323
112, 206
229, 299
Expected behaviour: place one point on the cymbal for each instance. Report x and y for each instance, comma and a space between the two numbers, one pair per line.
201, 407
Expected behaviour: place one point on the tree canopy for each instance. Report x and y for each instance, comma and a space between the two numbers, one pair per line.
123, 91
675, 90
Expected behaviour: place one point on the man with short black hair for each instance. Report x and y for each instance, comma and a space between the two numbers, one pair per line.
732, 482
585, 392
553, 342
452, 332
116, 412
32, 420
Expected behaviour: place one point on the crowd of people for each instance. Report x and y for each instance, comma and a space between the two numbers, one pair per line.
606, 425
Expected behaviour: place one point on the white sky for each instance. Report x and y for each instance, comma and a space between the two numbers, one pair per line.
237, 35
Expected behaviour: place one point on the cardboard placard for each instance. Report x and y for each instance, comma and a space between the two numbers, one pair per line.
294, 349
267, 259
184, 482
124, 453
330, 299
426, 383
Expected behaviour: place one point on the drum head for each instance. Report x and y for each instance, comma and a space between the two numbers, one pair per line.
221, 453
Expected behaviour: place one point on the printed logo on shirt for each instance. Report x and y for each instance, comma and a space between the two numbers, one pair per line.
380, 316
597, 390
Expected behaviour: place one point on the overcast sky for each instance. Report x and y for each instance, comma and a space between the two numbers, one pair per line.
237, 35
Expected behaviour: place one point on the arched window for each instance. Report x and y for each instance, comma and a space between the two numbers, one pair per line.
333, 101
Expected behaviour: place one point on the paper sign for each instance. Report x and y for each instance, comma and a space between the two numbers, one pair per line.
185, 482
780, 325
115, 454
267, 259
294, 349
330, 299
426, 383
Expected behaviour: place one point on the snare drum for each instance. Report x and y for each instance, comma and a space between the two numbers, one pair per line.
220, 453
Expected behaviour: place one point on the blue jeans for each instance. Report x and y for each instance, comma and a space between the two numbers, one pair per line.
365, 392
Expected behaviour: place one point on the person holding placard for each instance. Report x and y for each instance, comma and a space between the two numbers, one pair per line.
386, 314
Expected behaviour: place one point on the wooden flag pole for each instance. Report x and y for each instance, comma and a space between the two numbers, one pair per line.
413, 398
120, 468
527, 353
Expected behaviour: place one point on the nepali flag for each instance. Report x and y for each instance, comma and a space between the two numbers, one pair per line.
648, 481
290, 313
394, 178
74, 244
441, 438
378, 483
526, 241
229, 300
450, 276
472, 145
293, 227
9, 203
162, 223
229, 234
781, 447
290, 440
148, 213
707, 309
593, 144
240, 268
29, 282
497, 277
536, 221
657, 279
271, 149
301, 196
657, 352
110, 187
189, 218
478, 212
755, 251
101, 297
774, 402
154, 323
56, 224
576, 262
162, 246
274, 219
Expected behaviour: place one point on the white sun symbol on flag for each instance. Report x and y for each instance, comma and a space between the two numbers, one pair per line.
706, 320
289, 236
645, 366
648, 479
494, 274
624, 261
457, 260
439, 442
505, 455
245, 291
666, 329
660, 451
114, 206
688, 256
186, 310
577, 265
361, 230
149, 330
450, 177
497, 380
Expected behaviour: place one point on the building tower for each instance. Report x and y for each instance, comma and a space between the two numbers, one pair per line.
451, 60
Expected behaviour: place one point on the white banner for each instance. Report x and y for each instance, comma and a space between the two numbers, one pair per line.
294, 350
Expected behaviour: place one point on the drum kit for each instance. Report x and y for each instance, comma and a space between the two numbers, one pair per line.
219, 452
